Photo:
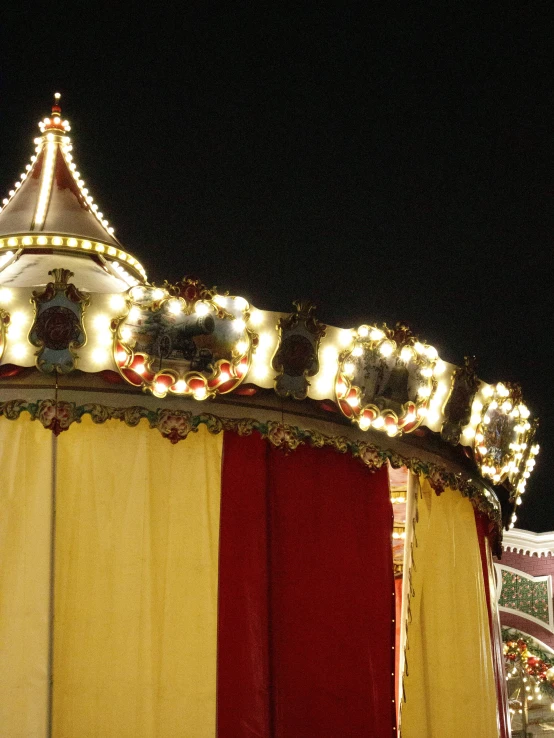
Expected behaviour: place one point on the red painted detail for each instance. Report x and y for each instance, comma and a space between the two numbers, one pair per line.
112, 377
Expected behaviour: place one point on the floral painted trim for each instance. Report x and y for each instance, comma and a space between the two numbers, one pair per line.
175, 425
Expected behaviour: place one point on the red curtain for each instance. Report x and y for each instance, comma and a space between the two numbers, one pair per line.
482, 524
306, 595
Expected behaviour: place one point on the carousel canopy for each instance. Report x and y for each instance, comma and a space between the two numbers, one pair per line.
50, 210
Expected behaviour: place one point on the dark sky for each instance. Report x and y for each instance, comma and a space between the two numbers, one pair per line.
390, 161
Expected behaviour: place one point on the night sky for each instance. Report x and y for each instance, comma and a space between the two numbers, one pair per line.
388, 161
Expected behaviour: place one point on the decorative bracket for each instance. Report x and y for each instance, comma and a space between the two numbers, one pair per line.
58, 329
296, 358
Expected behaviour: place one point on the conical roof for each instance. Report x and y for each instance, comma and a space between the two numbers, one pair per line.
51, 207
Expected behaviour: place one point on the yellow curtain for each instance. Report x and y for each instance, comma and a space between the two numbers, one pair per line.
25, 520
136, 583
450, 685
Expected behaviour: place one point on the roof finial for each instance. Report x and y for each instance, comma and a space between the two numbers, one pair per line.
56, 110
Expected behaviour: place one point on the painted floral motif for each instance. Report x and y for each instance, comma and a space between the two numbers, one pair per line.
524, 594
174, 424
55, 416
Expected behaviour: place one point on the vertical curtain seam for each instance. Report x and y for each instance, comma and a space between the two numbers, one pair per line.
52, 591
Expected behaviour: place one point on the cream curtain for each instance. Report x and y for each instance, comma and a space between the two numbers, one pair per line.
136, 583
25, 535
450, 684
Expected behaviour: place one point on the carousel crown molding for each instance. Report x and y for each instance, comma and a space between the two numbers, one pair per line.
528, 543
187, 342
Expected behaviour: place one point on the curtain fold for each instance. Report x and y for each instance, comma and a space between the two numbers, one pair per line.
25, 557
136, 583
306, 604
449, 685
494, 625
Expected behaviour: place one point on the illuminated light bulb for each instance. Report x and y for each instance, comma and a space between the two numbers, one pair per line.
391, 430
72, 242
239, 325
117, 302
160, 387
5, 296
469, 432
363, 331
364, 422
426, 372
419, 347
86, 245
101, 322
482, 450
349, 369
357, 351
406, 354
376, 334
324, 385
510, 527
345, 337
111, 231
121, 357
180, 386
506, 406
422, 412
19, 318
158, 294
378, 422
519, 501
433, 416
424, 391
220, 300
174, 307
514, 519
201, 308
386, 348
256, 317
487, 419
126, 334
524, 411
139, 368
353, 401
260, 372
266, 341
240, 303
200, 393
100, 356
410, 418
19, 351
224, 377
57, 241
242, 347
431, 352
42, 240
5, 201
12, 241
134, 313
56, 120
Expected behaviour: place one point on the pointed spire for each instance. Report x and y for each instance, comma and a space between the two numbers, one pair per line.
51, 199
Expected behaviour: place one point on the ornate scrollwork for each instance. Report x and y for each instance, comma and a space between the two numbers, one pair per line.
4, 323
58, 329
183, 339
385, 379
296, 357
175, 425
457, 412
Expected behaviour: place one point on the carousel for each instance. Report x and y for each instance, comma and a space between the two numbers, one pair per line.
219, 520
